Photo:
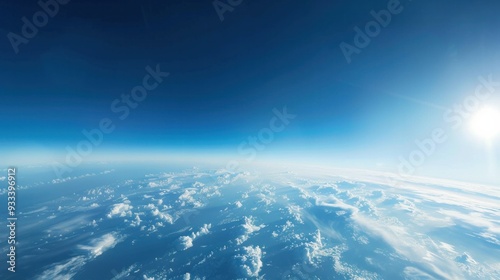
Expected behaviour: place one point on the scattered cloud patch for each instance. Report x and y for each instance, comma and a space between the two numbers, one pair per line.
102, 244
248, 228
250, 261
67, 269
186, 242
121, 210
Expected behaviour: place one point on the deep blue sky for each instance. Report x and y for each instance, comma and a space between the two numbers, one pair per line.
226, 77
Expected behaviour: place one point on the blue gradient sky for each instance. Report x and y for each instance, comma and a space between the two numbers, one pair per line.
226, 78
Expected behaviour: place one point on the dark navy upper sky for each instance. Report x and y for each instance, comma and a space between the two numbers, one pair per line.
227, 76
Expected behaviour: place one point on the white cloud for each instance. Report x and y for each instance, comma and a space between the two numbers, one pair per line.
248, 228
288, 225
121, 210
64, 270
412, 273
137, 221
187, 198
447, 247
465, 259
36, 211
102, 244
160, 183
164, 216
204, 230
186, 242
314, 249
67, 269
124, 273
69, 225
266, 199
296, 212
62, 180
250, 261
475, 219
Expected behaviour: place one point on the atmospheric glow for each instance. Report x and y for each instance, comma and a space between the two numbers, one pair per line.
486, 123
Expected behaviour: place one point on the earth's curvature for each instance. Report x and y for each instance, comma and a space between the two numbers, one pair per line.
172, 222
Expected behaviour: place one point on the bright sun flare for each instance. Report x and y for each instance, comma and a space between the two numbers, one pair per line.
486, 123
